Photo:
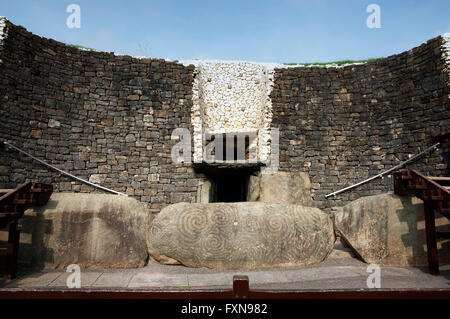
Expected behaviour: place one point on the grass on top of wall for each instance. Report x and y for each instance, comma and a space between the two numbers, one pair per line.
79, 47
304, 64
335, 62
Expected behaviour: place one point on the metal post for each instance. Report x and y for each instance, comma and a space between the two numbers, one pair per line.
240, 287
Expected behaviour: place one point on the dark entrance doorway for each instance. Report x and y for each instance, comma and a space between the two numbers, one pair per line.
226, 182
231, 188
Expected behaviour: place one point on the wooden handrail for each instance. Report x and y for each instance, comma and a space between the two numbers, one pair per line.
3, 191
11, 194
13, 203
434, 196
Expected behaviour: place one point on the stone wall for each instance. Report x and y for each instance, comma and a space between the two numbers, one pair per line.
109, 118
232, 97
102, 117
345, 124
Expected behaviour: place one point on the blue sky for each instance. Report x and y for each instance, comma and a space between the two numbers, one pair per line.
262, 30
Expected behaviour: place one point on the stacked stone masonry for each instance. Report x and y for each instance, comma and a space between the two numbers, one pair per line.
105, 118
109, 118
343, 125
232, 97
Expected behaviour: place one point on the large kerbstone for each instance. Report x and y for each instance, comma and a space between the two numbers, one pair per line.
91, 230
281, 188
247, 235
388, 229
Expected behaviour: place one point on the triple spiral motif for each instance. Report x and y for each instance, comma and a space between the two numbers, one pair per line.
241, 235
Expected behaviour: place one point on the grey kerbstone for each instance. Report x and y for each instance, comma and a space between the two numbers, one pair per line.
240, 235
281, 188
388, 229
91, 230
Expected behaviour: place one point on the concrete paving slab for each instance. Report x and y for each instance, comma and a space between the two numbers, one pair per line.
211, 280
225, 279
339, 261
87, 279
398, 271
308, 274
34, 280
360, 282
146, 280
113, 279
339, 271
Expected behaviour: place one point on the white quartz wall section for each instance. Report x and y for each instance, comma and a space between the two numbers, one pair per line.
3, 34
232, 97
446, 46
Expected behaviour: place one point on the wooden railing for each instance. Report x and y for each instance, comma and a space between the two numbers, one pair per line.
13, 204
435, 192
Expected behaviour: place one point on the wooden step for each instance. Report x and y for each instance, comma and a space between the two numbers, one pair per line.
12, 206
443, 181
434, 190
41, 190
25, 201
439, 178
445, 212
443, 234
3, 251
8, 215
436, 198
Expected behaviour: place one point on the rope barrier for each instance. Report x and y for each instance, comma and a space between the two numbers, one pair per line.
385, 172
61, 171
326, 196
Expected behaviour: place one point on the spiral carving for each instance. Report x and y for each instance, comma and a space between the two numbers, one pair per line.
191, 222
250, 224
223, 216
214, 247
276, 225
241, 235
159, 225
155, 228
